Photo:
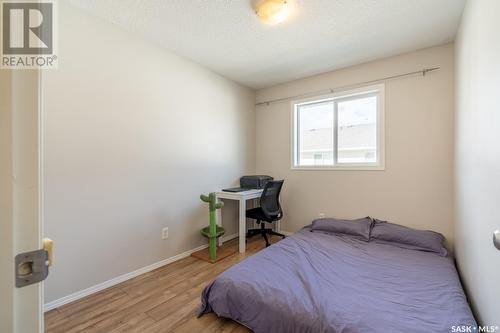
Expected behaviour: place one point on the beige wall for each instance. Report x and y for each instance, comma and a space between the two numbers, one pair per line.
132, 136
416, 187
478, 156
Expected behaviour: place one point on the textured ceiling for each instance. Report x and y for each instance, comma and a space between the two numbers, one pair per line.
321, 35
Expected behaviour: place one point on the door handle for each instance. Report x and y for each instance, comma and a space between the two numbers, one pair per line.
496, 239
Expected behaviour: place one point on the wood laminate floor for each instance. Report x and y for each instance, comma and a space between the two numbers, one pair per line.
164, 300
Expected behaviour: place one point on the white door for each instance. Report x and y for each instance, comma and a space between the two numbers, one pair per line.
20, 210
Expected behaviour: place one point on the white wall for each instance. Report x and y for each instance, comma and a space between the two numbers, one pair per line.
133, 136
478, 156
417, 185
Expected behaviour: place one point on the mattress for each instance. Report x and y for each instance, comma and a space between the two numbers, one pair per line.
319, 282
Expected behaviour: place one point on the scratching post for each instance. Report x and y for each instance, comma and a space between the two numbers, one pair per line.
213, 231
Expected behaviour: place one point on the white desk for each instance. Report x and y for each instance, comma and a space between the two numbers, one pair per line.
242, 198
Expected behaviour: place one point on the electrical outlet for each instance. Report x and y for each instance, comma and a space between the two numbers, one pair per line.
164, 233
321, 215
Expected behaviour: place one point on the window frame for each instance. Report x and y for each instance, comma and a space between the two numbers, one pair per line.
379, 165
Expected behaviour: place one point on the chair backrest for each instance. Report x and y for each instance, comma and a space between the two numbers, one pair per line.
269, 200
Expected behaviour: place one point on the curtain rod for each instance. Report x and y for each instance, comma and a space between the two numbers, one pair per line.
332, 90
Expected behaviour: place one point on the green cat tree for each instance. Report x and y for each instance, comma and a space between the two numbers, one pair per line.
213, 231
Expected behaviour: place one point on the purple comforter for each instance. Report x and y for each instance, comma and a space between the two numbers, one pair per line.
316, 282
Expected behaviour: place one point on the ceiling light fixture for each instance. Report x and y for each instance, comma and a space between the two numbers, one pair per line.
273, 11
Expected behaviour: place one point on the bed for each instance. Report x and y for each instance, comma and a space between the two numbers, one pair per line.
325, 282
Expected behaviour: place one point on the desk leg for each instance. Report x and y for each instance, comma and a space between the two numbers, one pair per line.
242, 224
218, 213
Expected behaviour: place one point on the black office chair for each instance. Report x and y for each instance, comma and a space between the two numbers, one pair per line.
269, 210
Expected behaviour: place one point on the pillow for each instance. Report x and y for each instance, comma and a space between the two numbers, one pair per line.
423, 240
358, 227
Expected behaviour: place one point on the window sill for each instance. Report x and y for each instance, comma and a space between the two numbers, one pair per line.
340, 168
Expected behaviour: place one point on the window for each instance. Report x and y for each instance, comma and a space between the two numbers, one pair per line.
340, 131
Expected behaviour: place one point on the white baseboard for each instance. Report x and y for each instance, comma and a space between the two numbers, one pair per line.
106, 284
229, 237
287, 233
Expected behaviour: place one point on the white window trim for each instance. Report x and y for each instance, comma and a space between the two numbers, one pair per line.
377, 166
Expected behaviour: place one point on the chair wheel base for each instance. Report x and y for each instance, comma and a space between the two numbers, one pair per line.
263, 232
